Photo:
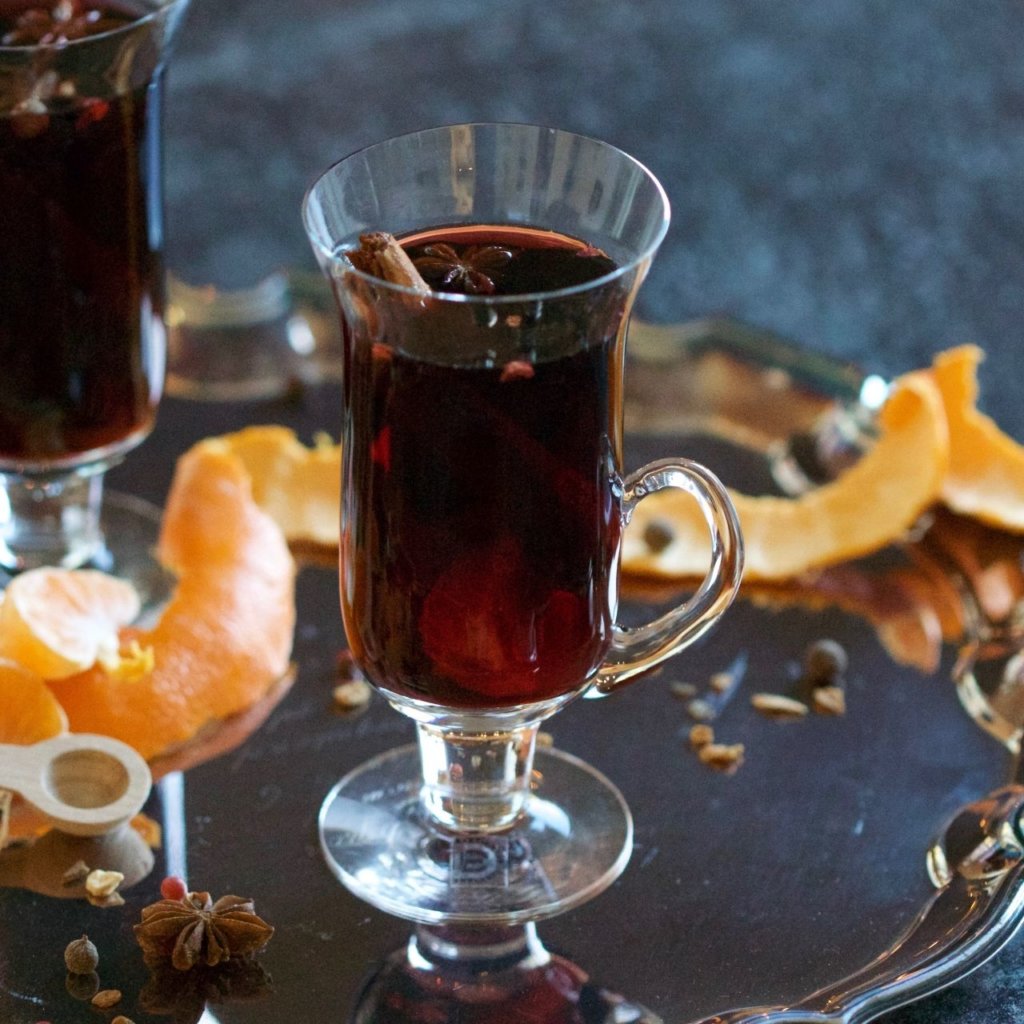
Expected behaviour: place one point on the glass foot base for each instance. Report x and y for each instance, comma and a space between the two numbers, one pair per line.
130, 527
574, 841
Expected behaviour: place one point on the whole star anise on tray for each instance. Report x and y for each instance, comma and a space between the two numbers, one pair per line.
195, 930
471, 272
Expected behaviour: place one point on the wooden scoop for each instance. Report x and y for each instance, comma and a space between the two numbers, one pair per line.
85, 784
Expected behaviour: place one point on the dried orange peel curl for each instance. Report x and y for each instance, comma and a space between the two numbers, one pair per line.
224, 639
986, 466
868, 506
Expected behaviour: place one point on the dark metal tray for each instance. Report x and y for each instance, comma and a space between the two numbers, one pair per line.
851, 864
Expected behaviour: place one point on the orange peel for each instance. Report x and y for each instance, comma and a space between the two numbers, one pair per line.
986, 465
299, 487
869, 505
224, 640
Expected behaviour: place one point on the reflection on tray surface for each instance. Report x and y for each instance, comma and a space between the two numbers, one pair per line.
487, 975
953, 584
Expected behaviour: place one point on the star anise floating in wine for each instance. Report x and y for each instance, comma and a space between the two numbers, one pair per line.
195, 930
472, 271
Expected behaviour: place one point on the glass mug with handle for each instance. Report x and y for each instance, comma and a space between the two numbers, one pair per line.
484, 503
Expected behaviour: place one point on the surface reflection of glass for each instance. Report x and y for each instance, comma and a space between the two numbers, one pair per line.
487, 975
236, 345
82, 336
483, 509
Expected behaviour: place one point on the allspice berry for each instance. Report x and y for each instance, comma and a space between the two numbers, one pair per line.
825, 661
658, 535
81, 956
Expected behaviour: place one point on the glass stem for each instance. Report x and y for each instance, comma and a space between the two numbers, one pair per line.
476, 949
476, 782
50, 519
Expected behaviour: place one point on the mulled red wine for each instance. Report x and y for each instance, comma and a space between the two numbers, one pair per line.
81, 293
480, 525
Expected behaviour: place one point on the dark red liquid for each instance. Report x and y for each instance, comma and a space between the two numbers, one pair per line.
81, 292
480, 528
554, 992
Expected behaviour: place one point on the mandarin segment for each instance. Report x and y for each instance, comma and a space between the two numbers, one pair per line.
868, 506
986, 466
29, 712
225, 637
57, 622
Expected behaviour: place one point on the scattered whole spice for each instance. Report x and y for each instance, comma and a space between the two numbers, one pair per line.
701, 735
355, 693
106, 998
122, 1019
721, 682
829, 700
81, 956
825, 661
777, 706
173, 888
102, 883
721, 756
196, 930
658, 535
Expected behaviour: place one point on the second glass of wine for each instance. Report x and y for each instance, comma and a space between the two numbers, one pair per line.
82, 338
484, 276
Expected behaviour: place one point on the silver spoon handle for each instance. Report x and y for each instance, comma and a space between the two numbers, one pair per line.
978, 868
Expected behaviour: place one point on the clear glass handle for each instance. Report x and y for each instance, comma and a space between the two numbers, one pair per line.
636, 651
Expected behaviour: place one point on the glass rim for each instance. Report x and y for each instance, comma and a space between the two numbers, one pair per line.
161, 6
627, 267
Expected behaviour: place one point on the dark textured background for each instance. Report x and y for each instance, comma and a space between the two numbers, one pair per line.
845, 172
